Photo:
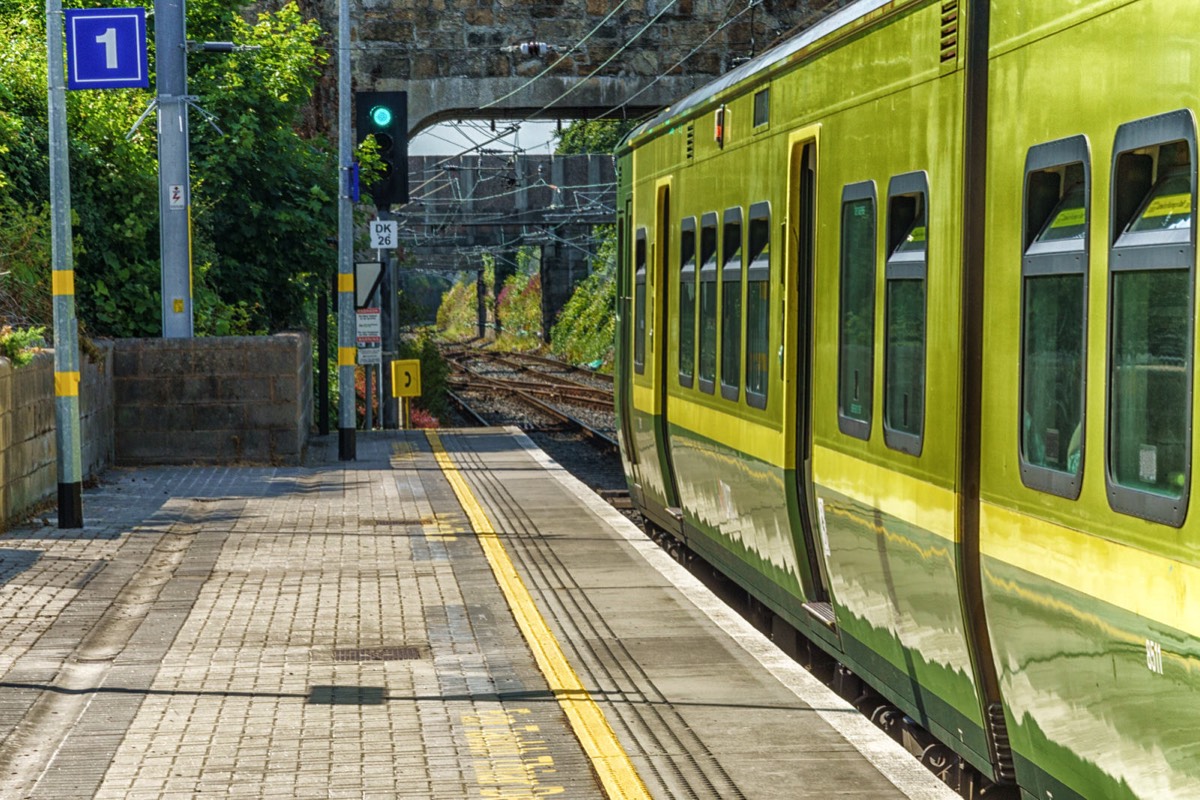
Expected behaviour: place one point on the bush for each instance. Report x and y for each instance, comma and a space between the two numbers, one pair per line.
18, 345
456, 317
434, 375
586, 327
519, 308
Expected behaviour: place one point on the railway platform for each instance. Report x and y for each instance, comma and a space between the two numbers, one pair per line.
450, 616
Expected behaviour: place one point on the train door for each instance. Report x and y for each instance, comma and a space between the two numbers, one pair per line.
624, 386
660, 264
801, 232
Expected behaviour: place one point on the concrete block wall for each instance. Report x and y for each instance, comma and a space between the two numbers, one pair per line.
96, 411
213, 400
28, 452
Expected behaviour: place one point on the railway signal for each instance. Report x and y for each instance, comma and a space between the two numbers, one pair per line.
384, 115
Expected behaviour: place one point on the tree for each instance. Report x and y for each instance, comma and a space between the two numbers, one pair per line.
264, 196
593, 135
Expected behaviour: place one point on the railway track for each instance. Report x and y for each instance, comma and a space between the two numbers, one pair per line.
533, 393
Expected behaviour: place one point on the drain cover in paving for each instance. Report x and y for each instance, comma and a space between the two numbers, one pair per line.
377, 654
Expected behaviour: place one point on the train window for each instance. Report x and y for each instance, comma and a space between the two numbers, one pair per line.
856, 352
904, 312
639, 303
687, 302
762, 107
731, 304
707, 366
1054, 315
758, 307
1151, 296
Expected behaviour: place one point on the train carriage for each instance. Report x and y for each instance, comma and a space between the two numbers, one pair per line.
906, 348
1089, 541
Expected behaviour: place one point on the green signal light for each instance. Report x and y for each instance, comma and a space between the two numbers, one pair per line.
381, 116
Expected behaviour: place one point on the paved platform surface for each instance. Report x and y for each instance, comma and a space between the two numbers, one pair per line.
342, 631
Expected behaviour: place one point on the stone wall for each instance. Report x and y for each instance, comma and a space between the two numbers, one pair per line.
213, 400
28, 453
462, 58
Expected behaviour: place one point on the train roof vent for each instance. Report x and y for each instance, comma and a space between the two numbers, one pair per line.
949, 49
691, 141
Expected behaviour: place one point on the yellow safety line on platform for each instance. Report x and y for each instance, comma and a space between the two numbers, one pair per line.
617, 774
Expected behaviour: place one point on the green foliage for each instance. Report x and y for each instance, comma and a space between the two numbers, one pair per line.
456, 316
18, 344
264, 195
587, 324
24, 264
435, 374
519, 309
593, 135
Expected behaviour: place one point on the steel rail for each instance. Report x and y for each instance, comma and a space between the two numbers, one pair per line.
594, 435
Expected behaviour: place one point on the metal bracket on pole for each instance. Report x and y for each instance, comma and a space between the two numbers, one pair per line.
150, 108
220, 47
209, 117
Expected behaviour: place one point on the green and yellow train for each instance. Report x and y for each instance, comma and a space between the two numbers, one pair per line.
907, 334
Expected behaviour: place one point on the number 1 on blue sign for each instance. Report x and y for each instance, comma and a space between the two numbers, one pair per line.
109, 40
106, 48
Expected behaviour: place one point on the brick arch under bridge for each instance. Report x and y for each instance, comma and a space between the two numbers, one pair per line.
461, 59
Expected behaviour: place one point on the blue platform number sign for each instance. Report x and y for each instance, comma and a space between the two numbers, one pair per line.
106, 48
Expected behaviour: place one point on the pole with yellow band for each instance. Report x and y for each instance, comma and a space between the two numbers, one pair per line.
347, 450
66, 329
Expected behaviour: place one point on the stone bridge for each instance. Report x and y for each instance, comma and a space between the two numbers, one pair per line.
462, 59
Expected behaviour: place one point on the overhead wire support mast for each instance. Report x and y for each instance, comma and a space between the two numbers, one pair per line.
174, 181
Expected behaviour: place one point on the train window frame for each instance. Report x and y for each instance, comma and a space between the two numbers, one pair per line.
1052, 171
733, 257
851, 425
707, 280
640, 300
762, 108
758, 271
903, 266
1139, 149
688, 272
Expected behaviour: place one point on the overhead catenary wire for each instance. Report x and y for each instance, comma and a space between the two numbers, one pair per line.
560, 59
730, 20
611, 111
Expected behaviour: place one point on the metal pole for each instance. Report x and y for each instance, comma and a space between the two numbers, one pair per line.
346, 339
480, 305
387, 312
379, 381
67, 437
174, 184
323, 361
369, 396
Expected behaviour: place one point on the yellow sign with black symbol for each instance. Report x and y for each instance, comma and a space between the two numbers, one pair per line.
406, 378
